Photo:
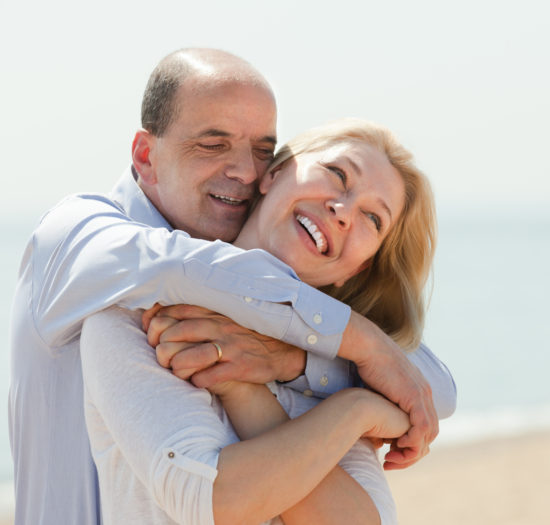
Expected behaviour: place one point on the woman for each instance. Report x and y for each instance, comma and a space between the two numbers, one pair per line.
344, 206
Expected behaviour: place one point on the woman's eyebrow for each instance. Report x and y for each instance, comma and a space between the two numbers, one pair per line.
385, 206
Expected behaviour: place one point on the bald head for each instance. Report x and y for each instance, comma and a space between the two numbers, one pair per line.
196, 67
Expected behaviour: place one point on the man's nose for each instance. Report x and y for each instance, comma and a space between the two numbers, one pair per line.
242, 166
340, 213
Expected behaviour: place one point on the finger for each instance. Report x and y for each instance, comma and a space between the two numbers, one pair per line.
166, 351
397, 466
218, 373
419, 435
199, 357
148, 315
184, 373
192, 331
185, 311
399, 462
405, 455
157, 326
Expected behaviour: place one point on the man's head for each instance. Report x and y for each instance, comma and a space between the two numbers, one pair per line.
208, 133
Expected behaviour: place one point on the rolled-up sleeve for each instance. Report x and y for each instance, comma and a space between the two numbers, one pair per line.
142, 418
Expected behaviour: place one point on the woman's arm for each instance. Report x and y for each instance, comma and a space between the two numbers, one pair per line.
177, 445
335, 497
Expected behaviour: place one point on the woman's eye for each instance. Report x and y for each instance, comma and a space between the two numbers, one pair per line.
339, 172
375, 220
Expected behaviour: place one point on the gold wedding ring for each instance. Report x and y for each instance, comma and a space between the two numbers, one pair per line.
219, 349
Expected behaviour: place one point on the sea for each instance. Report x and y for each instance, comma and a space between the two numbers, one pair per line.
488, 320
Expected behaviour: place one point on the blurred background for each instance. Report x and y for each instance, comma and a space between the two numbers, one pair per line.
464, 86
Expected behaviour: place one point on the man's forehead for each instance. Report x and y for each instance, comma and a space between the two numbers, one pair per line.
227, 109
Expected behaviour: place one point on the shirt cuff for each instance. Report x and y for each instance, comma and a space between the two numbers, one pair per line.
325, 319
323, 377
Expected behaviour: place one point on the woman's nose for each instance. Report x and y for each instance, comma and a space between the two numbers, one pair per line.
340, 212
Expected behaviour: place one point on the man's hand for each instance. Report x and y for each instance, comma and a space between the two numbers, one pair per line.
183, 336
384, 367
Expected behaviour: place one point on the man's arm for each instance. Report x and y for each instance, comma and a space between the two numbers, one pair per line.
386, 369
180, 345
87, 254
254, 358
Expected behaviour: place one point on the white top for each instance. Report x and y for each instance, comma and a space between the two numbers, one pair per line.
156, 439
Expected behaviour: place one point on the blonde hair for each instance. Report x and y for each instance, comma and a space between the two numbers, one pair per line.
390, 292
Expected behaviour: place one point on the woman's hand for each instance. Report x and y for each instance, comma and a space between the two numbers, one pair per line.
388, 420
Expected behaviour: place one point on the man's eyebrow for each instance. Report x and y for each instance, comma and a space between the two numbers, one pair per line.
269, 138
213, 132
380, 201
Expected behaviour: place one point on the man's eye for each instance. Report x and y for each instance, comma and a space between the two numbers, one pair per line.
212, 147
264, 154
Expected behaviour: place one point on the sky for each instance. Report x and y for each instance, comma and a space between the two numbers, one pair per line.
463, 85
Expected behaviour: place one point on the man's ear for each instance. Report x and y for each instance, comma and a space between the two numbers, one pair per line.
141, 153
343, 281
268, 178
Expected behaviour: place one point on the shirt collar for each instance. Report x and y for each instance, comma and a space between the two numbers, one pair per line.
135, 203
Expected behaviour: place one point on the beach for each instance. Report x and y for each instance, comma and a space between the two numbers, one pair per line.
499, 481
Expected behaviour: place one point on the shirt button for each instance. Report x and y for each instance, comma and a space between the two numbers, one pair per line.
248, 299
324, 381
308, 393
311, 339
171, 454
317, 318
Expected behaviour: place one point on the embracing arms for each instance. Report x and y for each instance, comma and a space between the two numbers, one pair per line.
246, 357
88, 254
171, 437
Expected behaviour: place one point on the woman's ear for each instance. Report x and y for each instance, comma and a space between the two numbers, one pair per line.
141, 156
268, 179
343, 281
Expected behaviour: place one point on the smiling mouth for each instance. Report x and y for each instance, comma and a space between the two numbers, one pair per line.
229, 200
316, 235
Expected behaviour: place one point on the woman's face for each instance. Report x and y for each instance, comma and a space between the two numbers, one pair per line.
326, 213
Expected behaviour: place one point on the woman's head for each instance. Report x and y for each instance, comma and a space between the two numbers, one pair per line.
347, 208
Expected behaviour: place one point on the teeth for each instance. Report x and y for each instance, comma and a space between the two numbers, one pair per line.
315, 233
228, 200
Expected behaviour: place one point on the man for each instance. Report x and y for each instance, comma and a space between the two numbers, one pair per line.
209, 132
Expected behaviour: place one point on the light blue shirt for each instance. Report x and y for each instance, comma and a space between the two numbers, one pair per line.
92, 251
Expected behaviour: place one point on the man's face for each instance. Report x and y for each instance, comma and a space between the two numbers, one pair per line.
207, 163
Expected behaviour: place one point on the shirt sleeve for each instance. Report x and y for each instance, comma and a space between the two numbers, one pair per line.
87, 255
324, 377
439, 378
166, 430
